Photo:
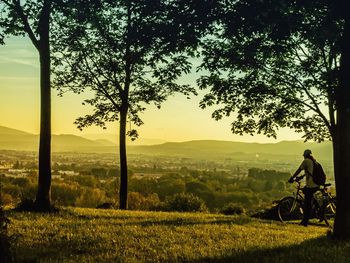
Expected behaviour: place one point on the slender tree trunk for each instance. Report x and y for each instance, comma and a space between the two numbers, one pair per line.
123, 193
42, 201
342, 143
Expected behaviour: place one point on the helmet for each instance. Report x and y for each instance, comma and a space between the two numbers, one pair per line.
307, 152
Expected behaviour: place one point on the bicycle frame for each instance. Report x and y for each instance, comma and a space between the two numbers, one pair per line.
297, 195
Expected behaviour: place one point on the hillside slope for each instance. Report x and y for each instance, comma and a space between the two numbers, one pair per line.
90, 235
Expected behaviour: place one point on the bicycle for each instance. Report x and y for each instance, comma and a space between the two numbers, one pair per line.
323, 207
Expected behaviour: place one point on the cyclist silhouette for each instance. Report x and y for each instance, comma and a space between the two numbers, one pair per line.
311, 187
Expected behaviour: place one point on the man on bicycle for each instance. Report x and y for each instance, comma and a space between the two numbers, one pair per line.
311, 187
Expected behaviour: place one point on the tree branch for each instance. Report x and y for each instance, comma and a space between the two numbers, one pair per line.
99, 84
317, 108
24, 20
314, 107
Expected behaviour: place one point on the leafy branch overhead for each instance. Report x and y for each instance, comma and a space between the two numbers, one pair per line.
274, 67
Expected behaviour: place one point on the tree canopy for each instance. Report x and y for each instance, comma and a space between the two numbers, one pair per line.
274, 66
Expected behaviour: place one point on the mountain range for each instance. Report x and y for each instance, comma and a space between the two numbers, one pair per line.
12, 139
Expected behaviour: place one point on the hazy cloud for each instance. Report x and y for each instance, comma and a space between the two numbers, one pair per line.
24, 61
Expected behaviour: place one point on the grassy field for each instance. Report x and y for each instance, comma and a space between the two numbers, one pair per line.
90, 235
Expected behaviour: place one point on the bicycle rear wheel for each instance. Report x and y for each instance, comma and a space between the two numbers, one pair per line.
289, 208
326, 212
330, 209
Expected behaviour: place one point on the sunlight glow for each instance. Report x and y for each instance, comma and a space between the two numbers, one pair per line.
179, 119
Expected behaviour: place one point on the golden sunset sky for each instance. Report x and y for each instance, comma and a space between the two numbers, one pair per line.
179, 119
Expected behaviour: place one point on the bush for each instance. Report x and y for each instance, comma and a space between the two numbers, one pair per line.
232, 209
65, 193
91, 197
185, 202
137, 201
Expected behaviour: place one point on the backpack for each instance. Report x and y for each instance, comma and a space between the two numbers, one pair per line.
318, 176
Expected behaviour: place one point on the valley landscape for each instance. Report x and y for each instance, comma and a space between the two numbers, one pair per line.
174, 131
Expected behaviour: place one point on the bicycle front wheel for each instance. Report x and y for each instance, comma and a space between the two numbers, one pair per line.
289, 208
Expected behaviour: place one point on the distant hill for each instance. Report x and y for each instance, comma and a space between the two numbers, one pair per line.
12, 139
5, 131
111, 137
17, 140
222, 149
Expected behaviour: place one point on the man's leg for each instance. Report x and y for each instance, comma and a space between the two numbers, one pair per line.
307, 205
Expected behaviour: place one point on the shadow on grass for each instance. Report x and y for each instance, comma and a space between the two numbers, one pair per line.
319, 250
122, 220
237, 220
145, 221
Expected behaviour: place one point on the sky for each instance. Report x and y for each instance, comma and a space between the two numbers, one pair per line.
179, 119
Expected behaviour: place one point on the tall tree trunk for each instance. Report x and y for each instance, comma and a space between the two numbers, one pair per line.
42, 201
123, 193
342, 149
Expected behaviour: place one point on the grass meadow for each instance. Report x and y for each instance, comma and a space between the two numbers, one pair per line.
91, 235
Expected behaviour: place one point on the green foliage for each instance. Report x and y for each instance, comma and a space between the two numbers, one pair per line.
262, 174
91, 197
185, 202
65, 193
102, 172
215, 188
196, 187
167, 186
137, 201
232, 209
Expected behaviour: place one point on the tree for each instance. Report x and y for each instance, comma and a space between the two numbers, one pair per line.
342, 145
33, 19
282, 64
129, 54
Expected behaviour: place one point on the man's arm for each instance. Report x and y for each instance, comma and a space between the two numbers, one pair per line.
291, 180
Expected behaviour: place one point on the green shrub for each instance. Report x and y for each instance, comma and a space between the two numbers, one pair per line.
185, 202
65, 193
91, 197
137, 201
232, 209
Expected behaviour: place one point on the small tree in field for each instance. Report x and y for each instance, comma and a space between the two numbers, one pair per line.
127, 54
